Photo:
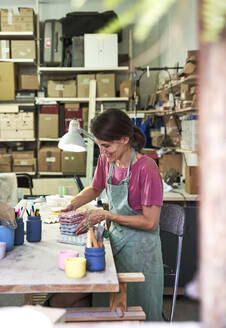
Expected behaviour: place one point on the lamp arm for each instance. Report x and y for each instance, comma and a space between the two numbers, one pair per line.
89, 135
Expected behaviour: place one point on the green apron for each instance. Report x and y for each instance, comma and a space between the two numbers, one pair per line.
136, 251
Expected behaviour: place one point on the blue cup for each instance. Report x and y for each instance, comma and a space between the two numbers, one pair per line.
19, 233
34, 228
95, 259
7, 236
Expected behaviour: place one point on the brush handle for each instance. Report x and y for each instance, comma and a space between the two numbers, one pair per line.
93, 238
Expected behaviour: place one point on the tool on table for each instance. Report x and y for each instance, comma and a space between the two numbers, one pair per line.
23, 209
92, 234
100, 234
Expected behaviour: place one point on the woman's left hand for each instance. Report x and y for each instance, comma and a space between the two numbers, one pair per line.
92, 217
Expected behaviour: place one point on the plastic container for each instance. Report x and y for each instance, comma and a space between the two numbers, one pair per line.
34, 228
95, 259
63, 255
7, 235
19, 233
75, 267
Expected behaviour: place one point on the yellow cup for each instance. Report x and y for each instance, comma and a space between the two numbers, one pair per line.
75, 267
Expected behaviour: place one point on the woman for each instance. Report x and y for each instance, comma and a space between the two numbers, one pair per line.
134, 188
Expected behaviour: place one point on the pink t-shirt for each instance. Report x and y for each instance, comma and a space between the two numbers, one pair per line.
145, 183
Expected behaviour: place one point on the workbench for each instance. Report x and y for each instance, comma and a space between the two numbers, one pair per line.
32, 268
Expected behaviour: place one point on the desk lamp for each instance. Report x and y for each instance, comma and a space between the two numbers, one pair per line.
72, 140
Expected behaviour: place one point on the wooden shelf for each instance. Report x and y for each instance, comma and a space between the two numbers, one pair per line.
16, 35
191, 79
22, 61
160, 112
81, 69
48, 100
179, 150
51, 173
49, 139
30, 173
16, 140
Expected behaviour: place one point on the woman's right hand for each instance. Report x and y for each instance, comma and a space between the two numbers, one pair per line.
68, 208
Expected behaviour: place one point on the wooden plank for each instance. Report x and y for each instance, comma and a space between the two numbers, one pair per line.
103, 314
131, 277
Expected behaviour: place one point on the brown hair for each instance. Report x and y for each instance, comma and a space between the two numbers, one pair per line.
113, 124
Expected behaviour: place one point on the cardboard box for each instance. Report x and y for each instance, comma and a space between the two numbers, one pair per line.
25, 154
105, 85
24, 165
23, 49
169, 161
5, 162
126, 88
49, 109
3, 150
7, 81
9, 108
83, 81
49, 159
73, 162
191, 179
21, 120
17, 20
4, 49
61, 89
101, 50
17, 134
70, 114
48, 126
74, 105
28, 82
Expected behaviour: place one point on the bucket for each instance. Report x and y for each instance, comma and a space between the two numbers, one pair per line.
7, 235
95, 258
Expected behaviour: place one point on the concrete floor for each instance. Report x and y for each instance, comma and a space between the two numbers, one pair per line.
186, 309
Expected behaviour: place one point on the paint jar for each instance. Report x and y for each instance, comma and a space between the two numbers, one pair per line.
34, 228
75, 267
19, 233
7, 235
63, 255
2, 249
95, 259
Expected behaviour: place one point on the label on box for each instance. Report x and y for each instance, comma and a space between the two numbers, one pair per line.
51, 159
10, 17
59, 87
47, 42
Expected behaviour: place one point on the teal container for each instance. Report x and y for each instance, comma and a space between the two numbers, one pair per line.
7, 235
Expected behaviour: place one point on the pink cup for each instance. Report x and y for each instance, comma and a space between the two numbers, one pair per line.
2, 249
63, 255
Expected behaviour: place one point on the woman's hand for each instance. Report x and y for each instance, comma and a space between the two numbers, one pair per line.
68, 208
92, 217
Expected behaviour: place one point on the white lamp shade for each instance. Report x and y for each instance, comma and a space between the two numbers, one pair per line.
72, 140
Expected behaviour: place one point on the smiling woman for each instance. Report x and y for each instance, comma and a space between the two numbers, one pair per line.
134, 188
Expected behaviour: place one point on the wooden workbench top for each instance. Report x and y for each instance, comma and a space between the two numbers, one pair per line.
32, 268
